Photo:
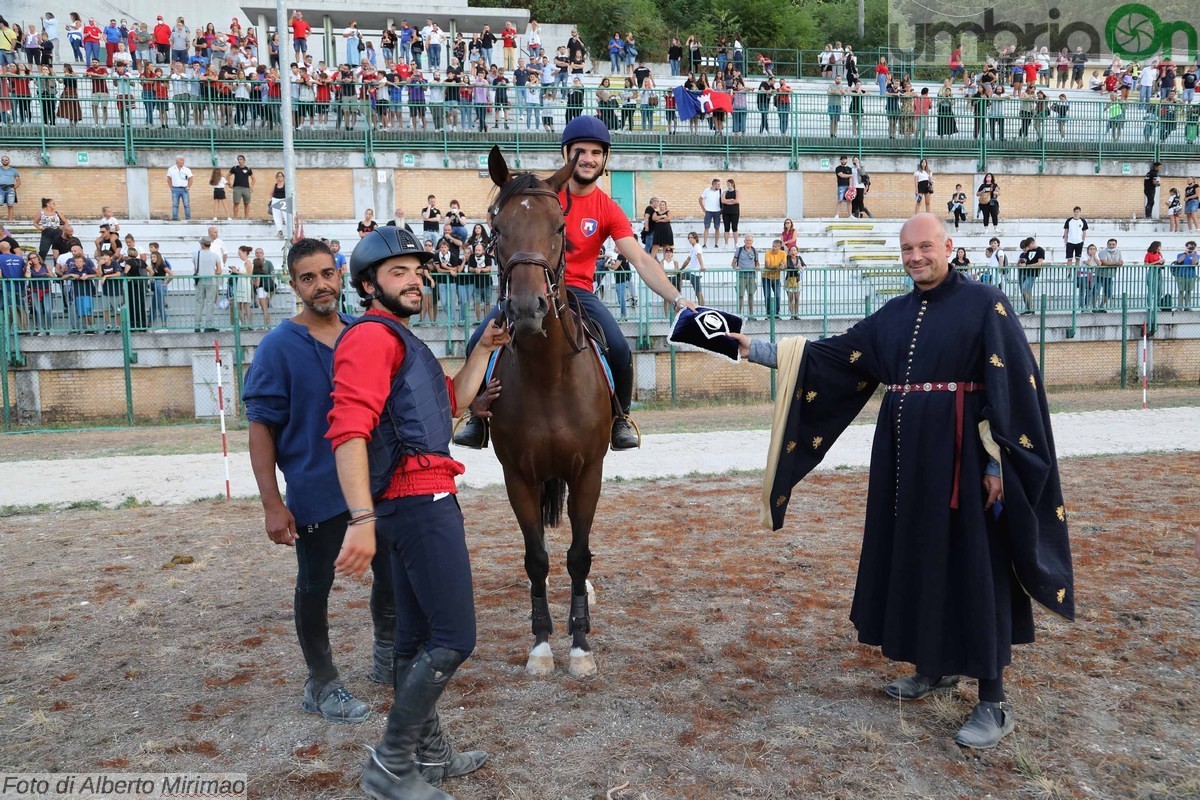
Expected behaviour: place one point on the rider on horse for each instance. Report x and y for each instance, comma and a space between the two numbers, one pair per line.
591, 218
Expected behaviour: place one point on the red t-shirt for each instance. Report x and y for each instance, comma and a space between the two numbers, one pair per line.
371, 356
162, 33
403, 71
1154, 258
98, 86
590, 220
91, 33
1031, 72
509, 35
300, 28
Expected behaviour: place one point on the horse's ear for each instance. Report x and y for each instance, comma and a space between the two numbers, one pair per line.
559, 179
498, 167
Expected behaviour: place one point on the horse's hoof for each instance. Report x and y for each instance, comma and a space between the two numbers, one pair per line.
541, 660
583, 664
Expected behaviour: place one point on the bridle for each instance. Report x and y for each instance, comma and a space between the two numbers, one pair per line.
553, 276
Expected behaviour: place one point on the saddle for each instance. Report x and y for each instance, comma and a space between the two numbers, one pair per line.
588, 325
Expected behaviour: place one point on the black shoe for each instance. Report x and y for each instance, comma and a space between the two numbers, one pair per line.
391, 773
473, 434
623, 435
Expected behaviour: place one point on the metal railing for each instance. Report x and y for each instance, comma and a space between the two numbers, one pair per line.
249, 302
445, 118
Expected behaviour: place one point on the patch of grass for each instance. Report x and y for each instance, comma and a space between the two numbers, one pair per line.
132, 502
19, 510
84, 505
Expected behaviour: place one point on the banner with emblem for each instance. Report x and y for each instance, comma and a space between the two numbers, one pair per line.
708, 329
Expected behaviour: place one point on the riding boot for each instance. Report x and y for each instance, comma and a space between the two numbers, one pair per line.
383, 616
391, 772
473, 434
435, 757
624, 437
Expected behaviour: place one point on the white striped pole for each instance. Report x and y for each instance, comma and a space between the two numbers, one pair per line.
1145, 371
221, 406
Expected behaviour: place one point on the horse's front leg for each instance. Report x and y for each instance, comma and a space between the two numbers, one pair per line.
526, 502
581, 508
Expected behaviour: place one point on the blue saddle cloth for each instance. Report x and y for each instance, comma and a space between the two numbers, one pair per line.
491, 367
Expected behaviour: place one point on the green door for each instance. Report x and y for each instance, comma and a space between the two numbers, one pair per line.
621, 185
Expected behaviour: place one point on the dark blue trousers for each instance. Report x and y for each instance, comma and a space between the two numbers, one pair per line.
431, 573
619, 358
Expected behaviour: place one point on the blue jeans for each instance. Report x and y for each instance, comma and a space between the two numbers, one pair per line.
674, 67
1144, 93
614, 63
77, 47
619, 358
91, 50
158, 302
487, 55
431, 572
179, 194
462, 295
435, 56
771, 295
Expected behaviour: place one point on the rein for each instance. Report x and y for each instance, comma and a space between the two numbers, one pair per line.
554, 276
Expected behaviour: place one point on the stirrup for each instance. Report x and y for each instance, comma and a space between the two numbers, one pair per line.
462, 441
636, 430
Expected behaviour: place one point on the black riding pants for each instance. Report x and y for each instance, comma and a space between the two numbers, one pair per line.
620, 360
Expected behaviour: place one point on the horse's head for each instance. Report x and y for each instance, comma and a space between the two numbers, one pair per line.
528, 236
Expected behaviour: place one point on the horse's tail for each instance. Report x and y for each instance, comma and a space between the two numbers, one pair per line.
554, 492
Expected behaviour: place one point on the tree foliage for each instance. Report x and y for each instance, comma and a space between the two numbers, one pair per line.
798, 24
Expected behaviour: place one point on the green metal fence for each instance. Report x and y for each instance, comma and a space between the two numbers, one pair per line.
456, 118
1102, 317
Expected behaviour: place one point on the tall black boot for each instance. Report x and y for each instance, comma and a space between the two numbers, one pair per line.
391, 772
436, 757
474, 433
383, 616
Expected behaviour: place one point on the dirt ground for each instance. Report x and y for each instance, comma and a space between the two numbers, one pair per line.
728, 666
206, 438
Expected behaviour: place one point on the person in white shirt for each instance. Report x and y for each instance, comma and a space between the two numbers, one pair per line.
1147, 80
710, 204
1075, 234
217, 245
533, 39
179, 181
694, 261
997, 262
672, 269
106, 218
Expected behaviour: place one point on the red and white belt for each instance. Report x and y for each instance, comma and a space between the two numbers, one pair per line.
960, 388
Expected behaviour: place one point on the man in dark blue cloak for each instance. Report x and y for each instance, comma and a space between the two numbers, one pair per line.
965, 519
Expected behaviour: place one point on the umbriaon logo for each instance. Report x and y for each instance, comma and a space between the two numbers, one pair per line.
1137, 31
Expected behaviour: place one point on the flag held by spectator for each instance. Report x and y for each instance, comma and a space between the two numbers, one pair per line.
686, 103
718, 101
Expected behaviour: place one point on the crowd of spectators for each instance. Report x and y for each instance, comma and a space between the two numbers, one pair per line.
171, 75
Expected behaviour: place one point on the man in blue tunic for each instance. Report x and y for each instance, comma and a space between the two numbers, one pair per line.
965, 519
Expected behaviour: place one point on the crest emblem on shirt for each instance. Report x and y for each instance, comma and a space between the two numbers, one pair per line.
589, 226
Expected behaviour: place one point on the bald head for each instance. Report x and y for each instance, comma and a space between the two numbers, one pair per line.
925, 248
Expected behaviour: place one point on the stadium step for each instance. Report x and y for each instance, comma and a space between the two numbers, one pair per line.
849, 226
861, 242
887, 258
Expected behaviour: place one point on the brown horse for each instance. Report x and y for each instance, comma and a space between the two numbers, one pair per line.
551, 423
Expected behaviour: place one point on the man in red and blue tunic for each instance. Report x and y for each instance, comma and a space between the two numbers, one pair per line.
591, 218
390, 432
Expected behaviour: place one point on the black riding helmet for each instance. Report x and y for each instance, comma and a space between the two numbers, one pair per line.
378, 246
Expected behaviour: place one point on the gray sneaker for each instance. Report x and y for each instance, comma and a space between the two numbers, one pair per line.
989, 723
335, 704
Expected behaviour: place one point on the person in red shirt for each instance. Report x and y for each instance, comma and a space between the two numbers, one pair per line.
299, 29
162, 41
390, 432
98, 72
509, 35
91, 41
591, 218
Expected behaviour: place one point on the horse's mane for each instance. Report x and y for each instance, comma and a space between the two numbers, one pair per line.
520, 182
